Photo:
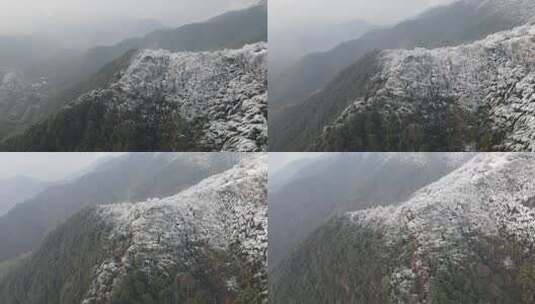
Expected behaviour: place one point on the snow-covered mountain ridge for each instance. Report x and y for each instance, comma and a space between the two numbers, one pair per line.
225, 89
468, 237
492, 196
474, 191
226, 212
308, 197
493, 76
157, 100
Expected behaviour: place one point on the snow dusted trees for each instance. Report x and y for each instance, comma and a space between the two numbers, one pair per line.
206, 101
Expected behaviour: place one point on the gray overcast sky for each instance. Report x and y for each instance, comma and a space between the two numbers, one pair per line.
278, 161
18, 16
284, 13
46, 166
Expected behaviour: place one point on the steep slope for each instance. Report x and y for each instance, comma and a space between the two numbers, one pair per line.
207, 101
206, 244
339, 183
473, 20
470, 97
17, 190
468, 238
132, 177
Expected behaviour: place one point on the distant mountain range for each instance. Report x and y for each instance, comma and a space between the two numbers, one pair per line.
206, 244
104, 31
55, 48
231, 30
17, 190
466, 238
331, 81
19, 52
288, 46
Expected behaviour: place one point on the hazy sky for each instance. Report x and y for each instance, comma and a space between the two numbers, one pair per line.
284, 13
26, 15
278, 161
46, 166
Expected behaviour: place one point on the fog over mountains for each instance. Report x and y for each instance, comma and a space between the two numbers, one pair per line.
289, 45
17, 190
26, 17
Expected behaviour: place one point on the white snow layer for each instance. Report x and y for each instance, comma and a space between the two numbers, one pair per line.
228, 208
488, 195
226, 89
497, 72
